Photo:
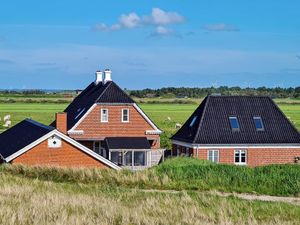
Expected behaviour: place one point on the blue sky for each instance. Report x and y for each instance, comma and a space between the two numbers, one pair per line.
60, 44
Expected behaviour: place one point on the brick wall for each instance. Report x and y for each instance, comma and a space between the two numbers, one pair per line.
66, 156
94, 129
255, 156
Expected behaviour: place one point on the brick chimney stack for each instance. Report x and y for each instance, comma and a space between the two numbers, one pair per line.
61, 122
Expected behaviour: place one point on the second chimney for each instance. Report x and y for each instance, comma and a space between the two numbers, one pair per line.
107, 76
61, 122
99, 77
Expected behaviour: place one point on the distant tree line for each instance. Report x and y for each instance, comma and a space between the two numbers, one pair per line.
23, 92
183, 92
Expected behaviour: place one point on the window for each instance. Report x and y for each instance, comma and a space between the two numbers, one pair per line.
193, 121
104, 115
240, 157
129, 158
99, 148
79, 113
125, 115
234, 123
213, 155
258, 123
139, 158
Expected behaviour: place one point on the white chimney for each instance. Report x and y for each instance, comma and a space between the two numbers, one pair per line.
99, 77
107, 76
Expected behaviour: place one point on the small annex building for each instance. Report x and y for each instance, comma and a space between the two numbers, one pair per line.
32, 143
241, 130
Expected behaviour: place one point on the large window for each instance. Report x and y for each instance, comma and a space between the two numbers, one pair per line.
213, 155
104, 115
234, 123
258, 123
129, 158
125, 115
240, 157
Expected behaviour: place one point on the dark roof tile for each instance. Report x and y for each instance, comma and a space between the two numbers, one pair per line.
21, 135
212, 124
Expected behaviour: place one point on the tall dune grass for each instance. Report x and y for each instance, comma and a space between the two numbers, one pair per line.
25, 200
178, 174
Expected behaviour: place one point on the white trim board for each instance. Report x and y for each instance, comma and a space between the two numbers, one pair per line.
275, 146
69, 140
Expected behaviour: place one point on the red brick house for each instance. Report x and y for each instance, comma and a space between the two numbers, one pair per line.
238, 130
102, 127
32, 143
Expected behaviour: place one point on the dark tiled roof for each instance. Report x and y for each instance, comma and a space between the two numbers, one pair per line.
212, 123
100, 93
127, 143
21, 135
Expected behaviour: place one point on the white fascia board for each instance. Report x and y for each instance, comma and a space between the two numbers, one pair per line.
73, 129
249, 146
158, 131
68, 139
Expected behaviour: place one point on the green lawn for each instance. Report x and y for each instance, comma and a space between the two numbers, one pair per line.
159, 113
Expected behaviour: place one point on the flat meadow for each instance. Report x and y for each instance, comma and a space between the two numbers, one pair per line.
164, 115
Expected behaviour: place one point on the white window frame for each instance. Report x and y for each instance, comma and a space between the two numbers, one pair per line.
213, 151
102, 120
125, 121
240, 157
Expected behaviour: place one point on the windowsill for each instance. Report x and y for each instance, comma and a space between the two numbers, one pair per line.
104, 121
125, 121
240, 164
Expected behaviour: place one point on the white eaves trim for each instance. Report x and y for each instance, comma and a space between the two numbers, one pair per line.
158, 131
275, 146
68, 139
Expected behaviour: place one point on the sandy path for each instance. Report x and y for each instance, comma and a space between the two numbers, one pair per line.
245, 196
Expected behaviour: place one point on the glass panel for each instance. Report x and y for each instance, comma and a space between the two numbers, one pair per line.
234, 123
216, 156
140, 158
128, 158
114, 156
258, 123
125, 115
104, 115
237, 157
193, 121
243, 156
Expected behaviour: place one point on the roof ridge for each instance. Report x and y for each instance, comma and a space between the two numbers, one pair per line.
39, 124
109, 84
123, 91
201, 119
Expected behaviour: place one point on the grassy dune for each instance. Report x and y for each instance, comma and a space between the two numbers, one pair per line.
180, 173
31, 195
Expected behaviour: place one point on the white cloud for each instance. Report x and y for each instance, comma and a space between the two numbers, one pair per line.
132, 20
162, 31
161, 17
220, 27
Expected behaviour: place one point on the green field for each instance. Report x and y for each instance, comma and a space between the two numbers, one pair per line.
159, 113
